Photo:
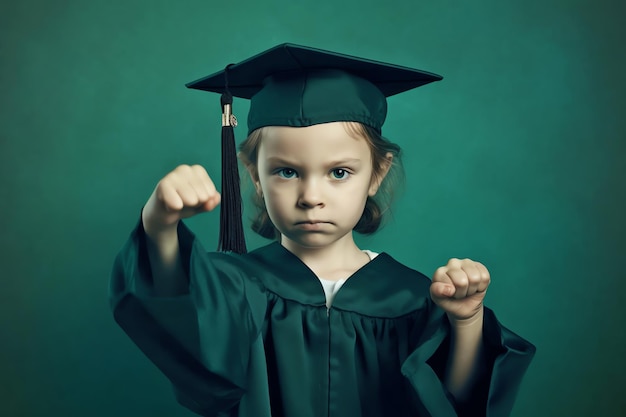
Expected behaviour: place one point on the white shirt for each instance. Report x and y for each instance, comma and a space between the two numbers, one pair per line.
331, 287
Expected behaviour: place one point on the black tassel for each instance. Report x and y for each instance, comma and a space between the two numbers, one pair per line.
231, 238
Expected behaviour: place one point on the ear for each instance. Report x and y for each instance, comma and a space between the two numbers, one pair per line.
254, 176
377, 178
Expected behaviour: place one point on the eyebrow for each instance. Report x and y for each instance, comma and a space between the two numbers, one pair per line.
346, 161
276, 160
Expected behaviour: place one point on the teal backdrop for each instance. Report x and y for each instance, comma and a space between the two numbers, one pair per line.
516, 159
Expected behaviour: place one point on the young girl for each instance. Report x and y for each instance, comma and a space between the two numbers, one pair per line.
310, 325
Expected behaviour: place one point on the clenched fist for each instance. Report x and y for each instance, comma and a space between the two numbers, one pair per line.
460, 287
184, 192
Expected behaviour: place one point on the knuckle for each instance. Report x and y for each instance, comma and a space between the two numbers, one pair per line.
454, 261
467, 261
474, 276
163, 185
199, 169
191, 200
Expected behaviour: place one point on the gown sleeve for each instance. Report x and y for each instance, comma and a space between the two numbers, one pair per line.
507, 359
200, 340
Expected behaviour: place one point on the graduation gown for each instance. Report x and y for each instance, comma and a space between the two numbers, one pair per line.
253, 337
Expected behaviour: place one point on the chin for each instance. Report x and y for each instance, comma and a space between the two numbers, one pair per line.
312, 240
309, 243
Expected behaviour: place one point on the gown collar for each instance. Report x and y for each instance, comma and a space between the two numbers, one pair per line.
383, 287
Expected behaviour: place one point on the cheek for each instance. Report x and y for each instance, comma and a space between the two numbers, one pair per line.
275, 200
353, 199
365, 188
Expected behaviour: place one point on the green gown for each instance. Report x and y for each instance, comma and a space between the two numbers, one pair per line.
253, 338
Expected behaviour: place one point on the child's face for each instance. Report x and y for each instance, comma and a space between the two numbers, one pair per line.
315, 181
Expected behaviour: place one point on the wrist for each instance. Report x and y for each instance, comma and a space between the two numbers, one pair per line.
475, 320
157, 230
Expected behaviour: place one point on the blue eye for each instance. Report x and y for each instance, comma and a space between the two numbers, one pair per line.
340, 173
286, 173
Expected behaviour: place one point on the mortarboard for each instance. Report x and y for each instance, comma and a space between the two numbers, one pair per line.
298, 86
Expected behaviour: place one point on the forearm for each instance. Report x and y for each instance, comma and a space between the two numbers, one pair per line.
466, 355
168, 275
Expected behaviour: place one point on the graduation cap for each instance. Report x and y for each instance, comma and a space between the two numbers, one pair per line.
298, 86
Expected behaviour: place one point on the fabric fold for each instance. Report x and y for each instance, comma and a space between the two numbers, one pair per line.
253, 337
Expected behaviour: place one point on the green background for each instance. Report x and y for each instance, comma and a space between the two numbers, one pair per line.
516, 159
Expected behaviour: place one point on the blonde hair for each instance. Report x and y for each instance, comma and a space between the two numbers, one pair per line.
375, 207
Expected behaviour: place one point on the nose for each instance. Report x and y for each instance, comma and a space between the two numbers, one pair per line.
310, 194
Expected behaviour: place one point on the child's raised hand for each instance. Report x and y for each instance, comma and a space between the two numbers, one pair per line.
184, 192
460, 287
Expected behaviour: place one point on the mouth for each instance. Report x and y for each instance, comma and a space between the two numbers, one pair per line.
313, 225
313, 222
